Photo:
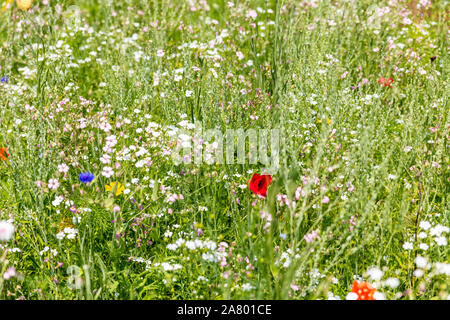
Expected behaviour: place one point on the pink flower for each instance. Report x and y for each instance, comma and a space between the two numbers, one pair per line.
53, 184
252, 14
63, 168
344, 75
107, 172
105, 159
310, 237
11, 272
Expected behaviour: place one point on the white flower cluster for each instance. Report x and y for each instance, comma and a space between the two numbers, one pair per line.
196, 244
68, 232
286, 258
53, 252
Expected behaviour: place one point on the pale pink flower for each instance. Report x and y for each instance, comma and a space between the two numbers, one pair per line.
107, 172
53, 184
105, 159
11, 272
6, 230
63, 168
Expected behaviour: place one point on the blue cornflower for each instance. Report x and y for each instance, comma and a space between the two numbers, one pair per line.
86, 177
4, 79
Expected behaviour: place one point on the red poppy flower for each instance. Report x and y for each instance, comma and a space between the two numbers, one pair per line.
364, 290
259, 184
4, 154
387, 82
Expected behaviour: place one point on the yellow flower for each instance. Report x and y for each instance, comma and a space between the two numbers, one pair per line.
24, 4
112, 185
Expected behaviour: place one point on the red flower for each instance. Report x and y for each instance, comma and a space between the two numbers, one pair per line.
364, 290
386, 82
259, 183
4, 154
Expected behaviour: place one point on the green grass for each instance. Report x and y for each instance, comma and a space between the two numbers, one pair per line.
311, 69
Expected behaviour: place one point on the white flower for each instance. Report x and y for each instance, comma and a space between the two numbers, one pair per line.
423, 246
375, 274
331, 296
60, 235
392, 282
422, 235
76, 220
443, 268
408, 246
379, 296
140, 163
351, 296
420, 262
168, 234
441, 241
107, 172
247, 287
437, 230
57, 201
6, 230
425, 225
172, 246
418, 273
71, 235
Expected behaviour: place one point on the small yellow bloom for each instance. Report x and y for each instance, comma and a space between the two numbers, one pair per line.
24, 4
112, 185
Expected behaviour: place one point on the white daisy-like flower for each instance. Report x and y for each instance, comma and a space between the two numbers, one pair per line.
441, 241
408, 246
392, 282
375, 273
420, 262
425, 225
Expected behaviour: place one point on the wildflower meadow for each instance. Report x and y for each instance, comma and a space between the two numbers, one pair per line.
224, 149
